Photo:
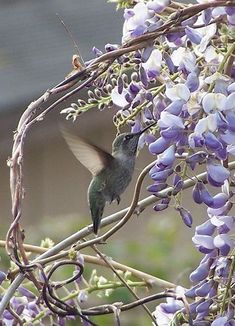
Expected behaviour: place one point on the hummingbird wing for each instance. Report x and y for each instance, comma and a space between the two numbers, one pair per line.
92, 157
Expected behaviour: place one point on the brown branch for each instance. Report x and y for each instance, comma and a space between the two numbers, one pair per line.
149, 279
107, 309
110, 265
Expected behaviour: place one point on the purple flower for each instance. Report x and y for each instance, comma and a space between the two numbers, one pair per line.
222, 267
164, 203
158, 5
213, 102
220, 321
223, 243
167, 157
135, 21
204, 306
156, 187
219, 200
212, 142
202, 195
178, 92
207, 228
159, 146
217, 173
205, 288
175, 107
230, 102
161, 176
186, 216
184, 59
2, 277
192, 82
204, 243
231, 19
25, 292
196, 158
201, 272
82, 296
119, 99
153, 65
170, 120
193, 35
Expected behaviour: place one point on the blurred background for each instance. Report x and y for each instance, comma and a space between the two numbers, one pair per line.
35, 54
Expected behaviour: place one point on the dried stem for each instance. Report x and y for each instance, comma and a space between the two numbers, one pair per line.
149, 279
110, 265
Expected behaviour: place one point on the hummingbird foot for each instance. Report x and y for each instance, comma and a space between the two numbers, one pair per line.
118, 199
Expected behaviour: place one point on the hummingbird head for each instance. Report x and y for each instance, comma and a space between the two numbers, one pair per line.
127, 142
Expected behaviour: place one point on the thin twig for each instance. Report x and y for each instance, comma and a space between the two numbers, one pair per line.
105, 309
149, 279
110, 265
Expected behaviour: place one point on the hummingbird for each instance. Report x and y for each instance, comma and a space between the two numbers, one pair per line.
111, 173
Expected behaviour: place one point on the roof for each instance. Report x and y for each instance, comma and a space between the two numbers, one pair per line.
35, 49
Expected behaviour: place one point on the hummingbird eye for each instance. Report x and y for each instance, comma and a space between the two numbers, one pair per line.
127, 137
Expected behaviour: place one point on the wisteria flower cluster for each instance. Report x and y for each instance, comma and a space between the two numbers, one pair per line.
175, 70
185, 82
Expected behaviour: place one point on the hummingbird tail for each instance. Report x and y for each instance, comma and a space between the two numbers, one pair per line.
96, 203
96, 224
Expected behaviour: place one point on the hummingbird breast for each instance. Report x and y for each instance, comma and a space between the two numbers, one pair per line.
112, 181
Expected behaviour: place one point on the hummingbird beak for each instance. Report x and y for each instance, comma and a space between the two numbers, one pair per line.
146, 128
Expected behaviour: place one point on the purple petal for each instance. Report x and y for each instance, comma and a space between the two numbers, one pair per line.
223, 267
170, 64
223, 243
171, 133
217, 173
200, 273
219, 200
161, 176
221, 321
231, 88
207, 228
159, 146
167, 158
143, 76
146, 53
170, 120
171, 307
206, 196
197, 193
230, 117
192, 82
211, 141
204, 306
193, 35
204, 289
220, 211
160, 207
230, 102
213, 101
158, 6
25, 292
186, 216
206, 16
2, 277
196, 158
175, 107
178, 186
157, 187
178, 92
231, 19
204, 243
